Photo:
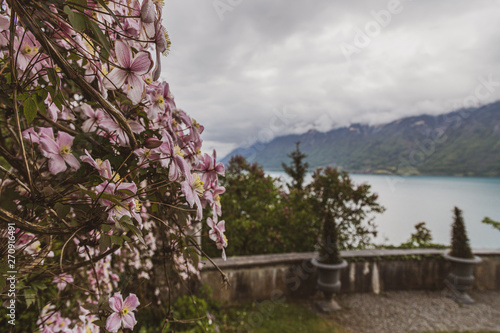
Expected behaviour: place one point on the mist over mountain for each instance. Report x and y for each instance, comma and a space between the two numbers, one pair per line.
461, 143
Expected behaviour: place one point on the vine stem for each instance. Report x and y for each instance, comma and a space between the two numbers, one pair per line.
16, 110
64, 247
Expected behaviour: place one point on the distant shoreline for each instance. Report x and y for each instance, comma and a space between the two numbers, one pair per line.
396, 175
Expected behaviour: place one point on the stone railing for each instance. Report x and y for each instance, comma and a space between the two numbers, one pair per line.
292, 274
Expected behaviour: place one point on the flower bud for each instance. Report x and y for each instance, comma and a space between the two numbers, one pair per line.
152, 143
160, 39
148, 11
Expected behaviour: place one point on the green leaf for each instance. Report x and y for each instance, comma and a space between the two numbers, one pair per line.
99, 323
126, 219
104, 243
43, 94
39, 285
138, 233
61, 210
111, 197
191, 252
56, 83
30, 109
58, 102
3, 282
103, 41
116, 240
82, 3
4, 268
127, 192
23, 97
105, 227
40, 102
77, 20
30, 296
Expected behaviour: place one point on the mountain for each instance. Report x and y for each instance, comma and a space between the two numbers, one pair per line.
461, 143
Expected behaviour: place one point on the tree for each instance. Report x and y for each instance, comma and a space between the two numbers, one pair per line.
251, 202
102, 175
349, 207
264, 218
460, 247
297, 169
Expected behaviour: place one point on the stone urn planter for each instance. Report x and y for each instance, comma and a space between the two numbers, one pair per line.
329, 277
461, 278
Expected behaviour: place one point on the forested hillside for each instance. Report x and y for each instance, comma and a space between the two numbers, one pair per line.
460, 143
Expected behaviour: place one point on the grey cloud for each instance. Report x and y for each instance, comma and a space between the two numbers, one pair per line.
232, 75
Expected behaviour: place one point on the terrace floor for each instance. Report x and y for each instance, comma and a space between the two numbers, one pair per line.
417, 311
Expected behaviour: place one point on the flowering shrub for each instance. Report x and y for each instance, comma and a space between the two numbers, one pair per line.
101, 173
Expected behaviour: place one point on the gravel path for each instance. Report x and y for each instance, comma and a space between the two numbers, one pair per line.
418, 311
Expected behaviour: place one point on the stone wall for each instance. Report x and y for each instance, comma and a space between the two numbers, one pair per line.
292, 275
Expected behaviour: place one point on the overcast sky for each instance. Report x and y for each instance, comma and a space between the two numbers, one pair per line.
250, 70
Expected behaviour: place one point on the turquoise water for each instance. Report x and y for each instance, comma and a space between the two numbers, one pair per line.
413, 199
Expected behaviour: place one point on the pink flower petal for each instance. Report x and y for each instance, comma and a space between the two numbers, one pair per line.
221, 226
87, 110
31, 135
129, 320
132, 187
116, 302
109, 125
47, 145
115, 79
188, 192
123, 54
64, 139
141, 63
131, 302
210, 223
4, 23
113, 322
57, 164
223, 254
87, 158
47, 131
148, 13
72, 161
135, 88
136, 126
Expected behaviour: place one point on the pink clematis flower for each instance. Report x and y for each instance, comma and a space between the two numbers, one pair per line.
211, 168
103, 167
216, 234
212, 196
193, 189
117, 133
62, 280
129, 71
58, 152
34, 137
122, 315
93, 117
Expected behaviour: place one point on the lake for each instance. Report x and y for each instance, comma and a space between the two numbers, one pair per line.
413, 199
